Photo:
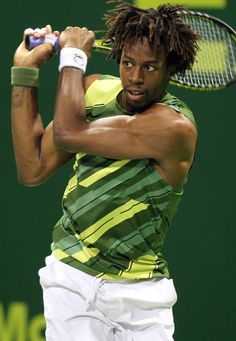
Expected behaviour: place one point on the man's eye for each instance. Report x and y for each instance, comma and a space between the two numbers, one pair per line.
127, 63
149, 68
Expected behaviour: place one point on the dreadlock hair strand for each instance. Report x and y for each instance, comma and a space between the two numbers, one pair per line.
127, 24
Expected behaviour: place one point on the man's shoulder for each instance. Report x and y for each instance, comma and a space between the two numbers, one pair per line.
178, 105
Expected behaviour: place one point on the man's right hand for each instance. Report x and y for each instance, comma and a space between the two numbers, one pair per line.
76, 37
40, 54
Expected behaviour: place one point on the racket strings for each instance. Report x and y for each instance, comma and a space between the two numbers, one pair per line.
215, 64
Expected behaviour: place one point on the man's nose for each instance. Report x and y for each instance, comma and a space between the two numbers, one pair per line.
136, 76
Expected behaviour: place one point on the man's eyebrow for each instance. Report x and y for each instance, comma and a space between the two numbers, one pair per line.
152, 61
127, 56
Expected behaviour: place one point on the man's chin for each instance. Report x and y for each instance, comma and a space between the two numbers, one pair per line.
137, 107
133, 105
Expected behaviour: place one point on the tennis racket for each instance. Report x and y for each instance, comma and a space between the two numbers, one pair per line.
215, 64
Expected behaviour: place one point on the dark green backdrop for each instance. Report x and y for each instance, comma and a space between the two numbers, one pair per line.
200, 246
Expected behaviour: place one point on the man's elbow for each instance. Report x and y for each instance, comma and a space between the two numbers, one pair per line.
28, 181
30, 178
63, 140
70, 138
59, 137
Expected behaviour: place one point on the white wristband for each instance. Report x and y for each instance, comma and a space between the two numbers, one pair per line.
70, 56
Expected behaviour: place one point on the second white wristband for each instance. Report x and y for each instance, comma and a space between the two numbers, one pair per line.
73, 57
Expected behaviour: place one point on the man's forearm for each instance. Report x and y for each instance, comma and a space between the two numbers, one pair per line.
27, 130
70, 109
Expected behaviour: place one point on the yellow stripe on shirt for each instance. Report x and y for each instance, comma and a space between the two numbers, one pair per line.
103, 172
120, 214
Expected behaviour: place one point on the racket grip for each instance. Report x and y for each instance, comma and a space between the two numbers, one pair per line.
31, 42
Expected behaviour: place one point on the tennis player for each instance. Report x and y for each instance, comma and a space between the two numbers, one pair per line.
133, 145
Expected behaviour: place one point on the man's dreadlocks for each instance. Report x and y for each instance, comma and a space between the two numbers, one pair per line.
127, 24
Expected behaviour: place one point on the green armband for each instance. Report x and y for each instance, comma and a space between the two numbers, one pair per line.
25, 76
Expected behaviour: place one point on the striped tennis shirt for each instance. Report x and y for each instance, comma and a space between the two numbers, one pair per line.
116, 213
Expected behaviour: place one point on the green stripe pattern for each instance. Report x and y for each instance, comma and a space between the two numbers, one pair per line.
116, 213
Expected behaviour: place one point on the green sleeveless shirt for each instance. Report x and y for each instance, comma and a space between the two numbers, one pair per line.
115, 212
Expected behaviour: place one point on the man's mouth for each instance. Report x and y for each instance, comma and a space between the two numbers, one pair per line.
134, 94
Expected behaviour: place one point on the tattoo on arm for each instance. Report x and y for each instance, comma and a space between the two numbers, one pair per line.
18, 95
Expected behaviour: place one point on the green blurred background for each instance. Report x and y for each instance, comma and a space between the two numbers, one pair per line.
200, 247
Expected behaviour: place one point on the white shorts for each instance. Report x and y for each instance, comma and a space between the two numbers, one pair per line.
80, 307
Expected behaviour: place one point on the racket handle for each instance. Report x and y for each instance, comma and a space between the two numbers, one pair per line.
31, 42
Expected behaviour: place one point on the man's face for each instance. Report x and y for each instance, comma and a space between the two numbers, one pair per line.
144, 76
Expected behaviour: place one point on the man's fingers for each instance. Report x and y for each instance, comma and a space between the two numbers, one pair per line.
28, 31
50, 38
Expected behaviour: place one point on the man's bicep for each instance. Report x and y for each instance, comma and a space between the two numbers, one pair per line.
112, 137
